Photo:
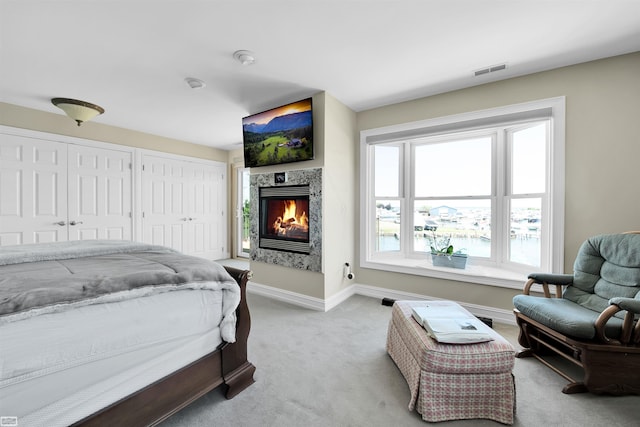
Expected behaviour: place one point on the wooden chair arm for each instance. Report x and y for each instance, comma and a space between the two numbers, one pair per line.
601, 321
545, 287
630, 334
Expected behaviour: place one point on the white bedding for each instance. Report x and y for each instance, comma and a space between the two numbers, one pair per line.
52, 374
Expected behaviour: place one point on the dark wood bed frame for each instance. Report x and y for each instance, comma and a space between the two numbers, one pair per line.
227, 365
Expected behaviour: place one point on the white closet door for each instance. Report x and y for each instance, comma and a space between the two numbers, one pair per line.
183, 205
165, 220
207, 206
99, 194
33, 190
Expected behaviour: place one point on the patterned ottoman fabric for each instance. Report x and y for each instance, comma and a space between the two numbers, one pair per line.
452, 381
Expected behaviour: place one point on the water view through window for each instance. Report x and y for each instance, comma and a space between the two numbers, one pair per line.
468, 226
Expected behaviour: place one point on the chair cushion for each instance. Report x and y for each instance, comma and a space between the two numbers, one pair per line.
565, 316
607, 266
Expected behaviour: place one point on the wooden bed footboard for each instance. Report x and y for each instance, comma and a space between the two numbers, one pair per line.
158, 401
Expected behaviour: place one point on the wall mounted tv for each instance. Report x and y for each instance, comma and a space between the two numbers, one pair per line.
279, 135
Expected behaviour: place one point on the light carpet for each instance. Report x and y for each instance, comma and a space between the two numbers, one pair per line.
331, 369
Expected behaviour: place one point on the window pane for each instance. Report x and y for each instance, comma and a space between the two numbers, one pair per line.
456, 168
246, 216
466, 222
528, 160
387, 171
524, 247
387, 225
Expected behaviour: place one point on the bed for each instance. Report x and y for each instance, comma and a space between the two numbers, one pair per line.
116, 333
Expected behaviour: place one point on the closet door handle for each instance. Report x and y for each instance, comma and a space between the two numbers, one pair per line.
75, 223
60, 223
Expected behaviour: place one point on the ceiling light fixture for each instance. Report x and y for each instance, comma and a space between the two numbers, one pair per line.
245, 57
195, 83
80, 111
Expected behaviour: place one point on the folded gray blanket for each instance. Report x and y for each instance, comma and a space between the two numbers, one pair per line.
45, 278
17, 254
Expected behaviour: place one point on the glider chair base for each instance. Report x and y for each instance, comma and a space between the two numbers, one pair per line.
608, 369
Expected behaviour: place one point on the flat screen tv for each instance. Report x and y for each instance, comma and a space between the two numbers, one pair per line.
279, 135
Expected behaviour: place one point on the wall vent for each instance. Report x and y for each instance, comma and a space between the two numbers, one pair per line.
491, 69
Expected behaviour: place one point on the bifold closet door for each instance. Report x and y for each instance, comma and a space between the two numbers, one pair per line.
164, 207
207, 206
184, 205
53, 191
33, 190
100, 196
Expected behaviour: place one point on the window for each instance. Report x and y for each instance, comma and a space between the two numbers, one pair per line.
491, 181
243, 202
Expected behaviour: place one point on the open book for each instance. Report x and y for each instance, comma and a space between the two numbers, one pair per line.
451, 324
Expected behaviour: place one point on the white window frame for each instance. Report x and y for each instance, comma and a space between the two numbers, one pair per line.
240, 172
482, 273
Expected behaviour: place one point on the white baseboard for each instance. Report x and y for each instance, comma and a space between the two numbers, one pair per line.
318, 304
286, 296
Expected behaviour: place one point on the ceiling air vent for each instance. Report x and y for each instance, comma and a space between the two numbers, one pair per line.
490, 69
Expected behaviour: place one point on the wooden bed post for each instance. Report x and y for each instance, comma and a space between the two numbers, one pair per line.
237, 371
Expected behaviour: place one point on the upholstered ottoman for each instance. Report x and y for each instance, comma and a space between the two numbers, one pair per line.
452, 381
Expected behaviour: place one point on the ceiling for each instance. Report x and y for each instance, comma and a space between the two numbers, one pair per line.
132, 56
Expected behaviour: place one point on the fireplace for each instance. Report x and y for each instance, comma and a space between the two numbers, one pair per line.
284, 218
294, 250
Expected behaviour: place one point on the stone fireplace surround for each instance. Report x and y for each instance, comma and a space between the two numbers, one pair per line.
311, 261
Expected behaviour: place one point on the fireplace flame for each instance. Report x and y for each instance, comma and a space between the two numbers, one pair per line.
291, 224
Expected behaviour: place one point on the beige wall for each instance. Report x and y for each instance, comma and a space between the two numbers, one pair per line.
602, 156
340, 197
27, 118
290, 279
335, 152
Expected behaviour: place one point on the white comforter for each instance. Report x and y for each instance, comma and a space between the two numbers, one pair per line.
60, 362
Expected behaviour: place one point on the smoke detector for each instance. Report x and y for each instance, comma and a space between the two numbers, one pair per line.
195, 83
244, 57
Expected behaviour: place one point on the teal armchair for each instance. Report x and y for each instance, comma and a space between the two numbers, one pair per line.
593, 319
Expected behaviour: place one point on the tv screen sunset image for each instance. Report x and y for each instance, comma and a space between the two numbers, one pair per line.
280, 135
